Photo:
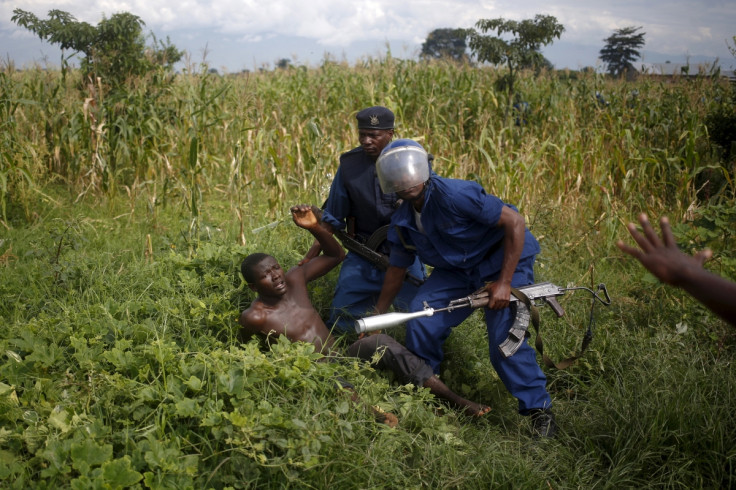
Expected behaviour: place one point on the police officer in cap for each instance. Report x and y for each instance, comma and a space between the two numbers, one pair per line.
357, 206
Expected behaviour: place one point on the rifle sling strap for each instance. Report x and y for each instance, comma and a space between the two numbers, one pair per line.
377, 238
403, 242
539, 344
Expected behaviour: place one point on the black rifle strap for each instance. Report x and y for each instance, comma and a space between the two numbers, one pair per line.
403, 242
538, 342
377, 238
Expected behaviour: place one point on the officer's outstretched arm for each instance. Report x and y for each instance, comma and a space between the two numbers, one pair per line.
391, 286
513, 243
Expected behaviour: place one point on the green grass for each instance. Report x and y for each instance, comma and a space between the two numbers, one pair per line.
120, 365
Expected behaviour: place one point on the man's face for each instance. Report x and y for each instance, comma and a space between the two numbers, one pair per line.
374, 141
412, 194
269, 279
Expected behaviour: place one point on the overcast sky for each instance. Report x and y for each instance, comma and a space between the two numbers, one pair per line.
232, 35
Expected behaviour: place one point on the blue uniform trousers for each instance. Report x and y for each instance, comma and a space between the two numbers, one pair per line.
520, 373
358, 287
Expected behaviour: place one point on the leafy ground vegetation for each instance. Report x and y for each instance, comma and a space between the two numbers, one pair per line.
125, 214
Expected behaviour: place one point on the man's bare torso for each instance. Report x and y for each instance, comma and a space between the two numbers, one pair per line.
291, 314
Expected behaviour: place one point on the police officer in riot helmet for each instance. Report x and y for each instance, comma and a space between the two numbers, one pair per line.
472, 240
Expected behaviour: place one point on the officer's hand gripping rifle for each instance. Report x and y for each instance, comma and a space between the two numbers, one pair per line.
526, 297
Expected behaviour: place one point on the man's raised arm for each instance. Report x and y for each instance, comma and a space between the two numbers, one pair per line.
332, 252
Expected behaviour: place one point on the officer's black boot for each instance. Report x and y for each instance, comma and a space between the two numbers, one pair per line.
543, 423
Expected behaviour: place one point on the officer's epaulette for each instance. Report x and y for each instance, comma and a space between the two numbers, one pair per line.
357, 149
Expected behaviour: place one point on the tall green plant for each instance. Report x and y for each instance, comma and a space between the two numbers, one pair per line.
282, 131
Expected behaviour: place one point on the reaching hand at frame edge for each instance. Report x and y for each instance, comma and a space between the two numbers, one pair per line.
664, 259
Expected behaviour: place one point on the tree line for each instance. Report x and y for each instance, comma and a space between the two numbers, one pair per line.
517, 44
115, 49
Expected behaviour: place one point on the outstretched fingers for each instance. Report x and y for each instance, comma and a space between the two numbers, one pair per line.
644, 245
667, 236
703, 256
634, 252
652, 240
304, 216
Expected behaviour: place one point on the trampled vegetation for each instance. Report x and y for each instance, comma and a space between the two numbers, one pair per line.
125, 215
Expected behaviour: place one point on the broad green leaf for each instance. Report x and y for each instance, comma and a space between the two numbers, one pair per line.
187, 408
343, 407
194, 383
60, 420
119, 474
91, 453
6, 389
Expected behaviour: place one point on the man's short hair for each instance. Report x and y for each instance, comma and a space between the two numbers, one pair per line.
249, 263
376, 117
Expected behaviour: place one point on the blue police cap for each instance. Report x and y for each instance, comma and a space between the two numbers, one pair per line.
377, 117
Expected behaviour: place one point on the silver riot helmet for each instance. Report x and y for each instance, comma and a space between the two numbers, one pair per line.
402, 164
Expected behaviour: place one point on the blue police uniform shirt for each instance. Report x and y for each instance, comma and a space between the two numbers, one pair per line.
460, 221
356, 192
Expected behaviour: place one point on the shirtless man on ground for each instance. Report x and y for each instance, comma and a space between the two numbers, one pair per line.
283, 307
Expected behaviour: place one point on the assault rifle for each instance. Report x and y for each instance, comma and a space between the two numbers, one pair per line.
369, 249
374, 257
544, 292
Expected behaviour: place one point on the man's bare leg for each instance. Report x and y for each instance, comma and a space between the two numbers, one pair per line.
440, 389
379, 415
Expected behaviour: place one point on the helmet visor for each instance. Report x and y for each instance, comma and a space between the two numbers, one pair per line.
402, 167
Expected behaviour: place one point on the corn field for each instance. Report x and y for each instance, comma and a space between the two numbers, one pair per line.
274, 136
124, 215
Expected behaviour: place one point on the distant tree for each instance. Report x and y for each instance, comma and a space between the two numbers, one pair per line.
622, 49
163, 53
114, 50
446, 43
283, 63
522, 49
538, 64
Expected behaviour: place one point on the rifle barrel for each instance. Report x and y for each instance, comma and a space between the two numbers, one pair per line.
379, 322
